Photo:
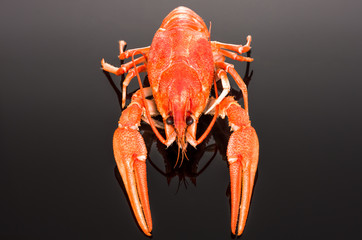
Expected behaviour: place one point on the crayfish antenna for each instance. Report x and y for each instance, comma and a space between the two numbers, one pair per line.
178, 155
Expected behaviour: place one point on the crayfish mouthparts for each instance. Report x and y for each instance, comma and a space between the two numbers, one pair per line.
182, 144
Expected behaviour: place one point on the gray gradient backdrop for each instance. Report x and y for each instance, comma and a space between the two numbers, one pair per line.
58, 113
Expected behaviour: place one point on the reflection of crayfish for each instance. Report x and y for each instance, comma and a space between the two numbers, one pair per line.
182, 65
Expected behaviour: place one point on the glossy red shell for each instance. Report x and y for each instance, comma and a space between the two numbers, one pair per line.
180, 62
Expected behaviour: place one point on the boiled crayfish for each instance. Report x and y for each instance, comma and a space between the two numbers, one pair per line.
182, 65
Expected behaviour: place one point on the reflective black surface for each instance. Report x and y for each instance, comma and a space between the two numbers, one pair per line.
58, 112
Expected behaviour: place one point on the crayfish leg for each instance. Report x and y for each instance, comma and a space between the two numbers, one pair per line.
130, 153
243, 155
233, 47
226, 89
229, 68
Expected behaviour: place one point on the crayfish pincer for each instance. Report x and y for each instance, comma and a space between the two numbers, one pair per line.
182, 65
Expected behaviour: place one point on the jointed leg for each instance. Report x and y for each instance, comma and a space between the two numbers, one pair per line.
235, 56
226, 88
135, 51
122, 45
229, 68
233, 47
243, 154
124, 68
150, 104
131, 74
130, 153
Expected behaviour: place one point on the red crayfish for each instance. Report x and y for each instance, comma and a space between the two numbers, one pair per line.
182, 65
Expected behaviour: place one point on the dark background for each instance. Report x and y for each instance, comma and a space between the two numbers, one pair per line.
59, 112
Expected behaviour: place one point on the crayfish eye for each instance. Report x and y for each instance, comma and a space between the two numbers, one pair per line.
189, 120
169, 120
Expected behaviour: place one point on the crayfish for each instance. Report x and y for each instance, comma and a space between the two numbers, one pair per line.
182, 66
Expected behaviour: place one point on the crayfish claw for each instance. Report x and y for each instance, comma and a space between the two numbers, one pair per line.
131, 154
243, 153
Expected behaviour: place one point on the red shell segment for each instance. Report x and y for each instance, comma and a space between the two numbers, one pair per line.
186, 18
